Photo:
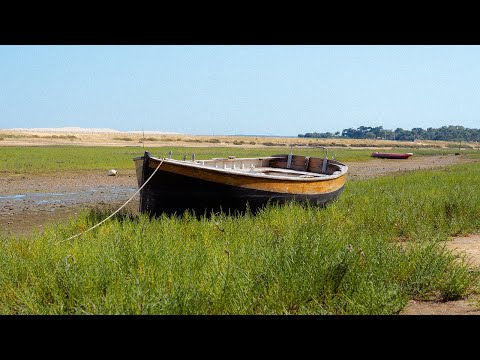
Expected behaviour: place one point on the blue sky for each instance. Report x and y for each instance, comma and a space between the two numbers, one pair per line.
239, 89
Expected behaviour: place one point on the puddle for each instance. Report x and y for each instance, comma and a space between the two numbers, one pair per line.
19, 196
93, 194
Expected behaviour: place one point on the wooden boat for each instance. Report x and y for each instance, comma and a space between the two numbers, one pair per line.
235, 184
391, 155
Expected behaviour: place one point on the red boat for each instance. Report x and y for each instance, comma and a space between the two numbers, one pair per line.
391, 155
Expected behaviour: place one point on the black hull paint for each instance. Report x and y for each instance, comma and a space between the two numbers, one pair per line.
173, 194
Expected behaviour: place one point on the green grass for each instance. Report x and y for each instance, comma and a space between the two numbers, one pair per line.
347, 258
21, 160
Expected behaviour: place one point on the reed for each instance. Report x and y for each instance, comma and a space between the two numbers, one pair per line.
379, 245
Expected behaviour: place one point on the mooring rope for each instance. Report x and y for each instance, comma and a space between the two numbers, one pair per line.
121, 207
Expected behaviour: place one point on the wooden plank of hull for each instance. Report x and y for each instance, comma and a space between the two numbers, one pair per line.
173, 193
175, 189
287, 186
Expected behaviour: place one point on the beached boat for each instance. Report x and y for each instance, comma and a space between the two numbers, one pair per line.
391, 155
227, 184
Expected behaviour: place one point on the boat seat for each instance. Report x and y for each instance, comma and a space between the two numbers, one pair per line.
287, 172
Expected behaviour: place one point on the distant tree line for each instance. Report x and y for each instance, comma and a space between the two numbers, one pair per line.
445, 133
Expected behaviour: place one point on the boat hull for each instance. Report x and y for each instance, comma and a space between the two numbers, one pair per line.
174, 189
391, 155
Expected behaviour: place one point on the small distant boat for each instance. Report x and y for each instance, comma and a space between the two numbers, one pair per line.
229, 184
391, 155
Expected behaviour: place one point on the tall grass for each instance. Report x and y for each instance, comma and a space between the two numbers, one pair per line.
379, 245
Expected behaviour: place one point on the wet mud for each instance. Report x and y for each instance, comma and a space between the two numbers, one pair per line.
28, 203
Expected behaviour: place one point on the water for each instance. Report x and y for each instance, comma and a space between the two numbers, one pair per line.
93, 194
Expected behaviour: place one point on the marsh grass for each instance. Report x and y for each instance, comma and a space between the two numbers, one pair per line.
379, 245
48, 159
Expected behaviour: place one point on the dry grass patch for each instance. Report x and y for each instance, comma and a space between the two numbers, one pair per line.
94, 137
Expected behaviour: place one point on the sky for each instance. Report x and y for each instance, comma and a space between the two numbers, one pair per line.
273, 90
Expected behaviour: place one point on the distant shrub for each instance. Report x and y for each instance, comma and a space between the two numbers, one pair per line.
1, 138
13, 136
360, 145
338, 144
252, 142
56, 136
149, 139
193, 140
238, 142
123, 138
213, 141
269, 143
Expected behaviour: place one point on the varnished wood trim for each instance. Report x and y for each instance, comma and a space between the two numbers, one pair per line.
287, 186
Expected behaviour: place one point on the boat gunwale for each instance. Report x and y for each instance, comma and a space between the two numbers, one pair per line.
237, 172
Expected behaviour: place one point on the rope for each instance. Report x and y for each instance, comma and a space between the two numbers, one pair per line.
121, 207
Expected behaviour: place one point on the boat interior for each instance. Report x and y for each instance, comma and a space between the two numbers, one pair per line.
283, 165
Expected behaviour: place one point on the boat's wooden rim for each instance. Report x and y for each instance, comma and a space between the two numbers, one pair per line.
259, 172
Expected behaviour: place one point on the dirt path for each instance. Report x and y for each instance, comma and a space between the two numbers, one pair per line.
28, 203
470, 247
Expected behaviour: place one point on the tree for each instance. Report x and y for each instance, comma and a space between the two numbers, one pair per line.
445, 133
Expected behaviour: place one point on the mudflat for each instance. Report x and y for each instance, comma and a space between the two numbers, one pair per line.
28, 202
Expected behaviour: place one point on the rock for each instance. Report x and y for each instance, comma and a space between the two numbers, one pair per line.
112, 172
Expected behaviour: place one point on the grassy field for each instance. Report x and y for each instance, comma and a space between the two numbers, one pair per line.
378, 246
48, 159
